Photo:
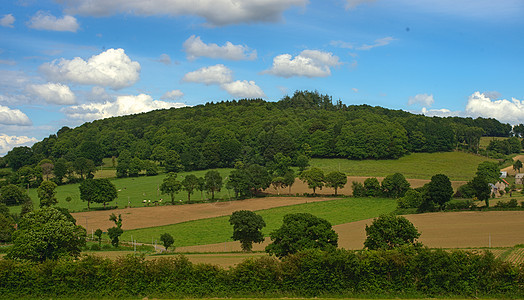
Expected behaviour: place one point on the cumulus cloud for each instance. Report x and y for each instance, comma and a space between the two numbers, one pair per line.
7, 21
195, 48
443, 112
172, 95
13, 117
124, 105
217, 74
45, 21
422, 99
165, 59
309, 63
55, 93
243, 89
215, 12
112, 68
7, 143
378, 43
351, 4
480, 105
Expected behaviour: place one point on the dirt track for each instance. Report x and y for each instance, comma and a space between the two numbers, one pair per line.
510, 168
142, 217
438, 230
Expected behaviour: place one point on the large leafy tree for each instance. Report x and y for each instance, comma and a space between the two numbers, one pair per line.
301, 231
489, 170
481, 188
46, 234
190, 184
440, 190
336, 180
12, 195
389, 231
171, 185
213, 182
97, 190
47, 193
116, 231
314, 178
395, 185
7, 228
372, 187
167, 240
247, 227
517, 165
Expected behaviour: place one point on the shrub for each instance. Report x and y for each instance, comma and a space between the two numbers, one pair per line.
95, 247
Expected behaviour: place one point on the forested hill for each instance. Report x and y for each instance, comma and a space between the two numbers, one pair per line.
218, 134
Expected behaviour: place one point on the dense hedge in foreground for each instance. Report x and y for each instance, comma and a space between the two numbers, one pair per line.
406, 271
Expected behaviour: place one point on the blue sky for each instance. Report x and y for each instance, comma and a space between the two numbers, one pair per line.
65, 62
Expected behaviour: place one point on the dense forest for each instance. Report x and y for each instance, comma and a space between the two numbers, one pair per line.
219, 134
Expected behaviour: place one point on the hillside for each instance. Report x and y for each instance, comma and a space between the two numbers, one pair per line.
215, 135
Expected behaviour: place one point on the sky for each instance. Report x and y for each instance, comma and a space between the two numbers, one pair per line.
66, 62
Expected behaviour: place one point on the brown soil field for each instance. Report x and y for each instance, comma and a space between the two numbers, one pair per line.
438, 230
510, 168
142, 217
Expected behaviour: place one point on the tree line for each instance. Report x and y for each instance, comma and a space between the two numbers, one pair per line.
216, 135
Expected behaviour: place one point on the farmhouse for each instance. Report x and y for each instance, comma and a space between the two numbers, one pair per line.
519, 177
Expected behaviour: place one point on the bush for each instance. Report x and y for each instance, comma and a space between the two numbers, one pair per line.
513, 203
460, 205
358, 189
95, 247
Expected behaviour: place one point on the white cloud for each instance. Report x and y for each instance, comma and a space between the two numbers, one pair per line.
7, 62
443, 112
55, 93
351, 4
355, 90
341, 44
7, 143
7, 21
243, 89
422, 99
111, 68
195, 48
309, 63
124, 105
13, 117
217, 74
378, 43
480, 105
172, 95
165, 59
215, 12
45, 21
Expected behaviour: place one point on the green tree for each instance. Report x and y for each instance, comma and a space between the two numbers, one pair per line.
247, 227
190, 184
301, 231
172, 161
60, 170
46, 234
412, 199
336, 180
98, 191
98, 234
12, 195
372, 187
517, 165
489, 170
481, 187
84, 167
395, 185
213, 182
389, 231
46, 166
302, 162
47, 193
314, 178
201, 186
7, 228
167, 240
116, 231
440, 190
358, 189
171, 186
124, 160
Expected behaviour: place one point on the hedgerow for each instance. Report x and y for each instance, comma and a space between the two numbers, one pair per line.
403, 271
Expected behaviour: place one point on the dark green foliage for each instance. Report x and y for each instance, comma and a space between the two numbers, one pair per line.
249, 180
46, 234
213, 182
506, 146
517, 165
336, 180
358, 189
395, 185
412, 199
7, 227
66, 213
98, 234
481, 187
389, 231
12, 195
314, 178
247, 227
190, 184
400, 273
302, 231
47, 193
116, 231
302, 162
171, 186
167, 240
372, 187
97, 190
439, 190
489, 170
465, 191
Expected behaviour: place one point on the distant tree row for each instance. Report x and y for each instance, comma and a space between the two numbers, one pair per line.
218, 135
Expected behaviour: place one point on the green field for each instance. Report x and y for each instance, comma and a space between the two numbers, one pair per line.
218, 230
456, 165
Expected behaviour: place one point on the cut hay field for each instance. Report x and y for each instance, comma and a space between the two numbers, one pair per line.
456, 165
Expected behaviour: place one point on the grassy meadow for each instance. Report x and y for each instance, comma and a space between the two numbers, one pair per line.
218, 230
